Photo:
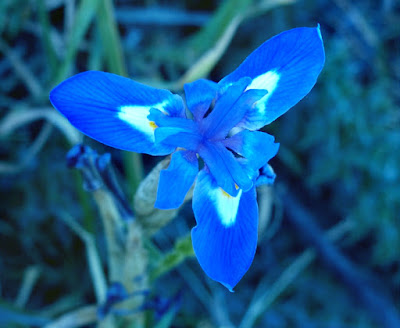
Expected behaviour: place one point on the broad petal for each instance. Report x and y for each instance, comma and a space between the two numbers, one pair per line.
224, 167
258, 147
199, 96
113, 109
287, 66
176, 181
225, 238
218, 123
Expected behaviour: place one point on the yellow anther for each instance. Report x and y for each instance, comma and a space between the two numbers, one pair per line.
153, 125
225, 194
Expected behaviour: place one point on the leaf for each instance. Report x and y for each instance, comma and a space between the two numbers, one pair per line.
213, 40
84, 17
10, 315
45, 29
214, 30
110, 37
182, 250
167, 319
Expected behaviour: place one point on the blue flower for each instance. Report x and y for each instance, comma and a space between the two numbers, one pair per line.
219, 125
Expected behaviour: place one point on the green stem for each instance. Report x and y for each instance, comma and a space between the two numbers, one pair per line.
83, 196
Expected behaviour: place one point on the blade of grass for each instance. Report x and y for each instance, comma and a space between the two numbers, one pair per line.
83, 316
266, 293
98, 278
75, 33
214, 30
89, 216
11, 315
22, 70
30, 278
29, 154
96, 55
115, 62
167, 319
83, 18
182, 250
133, 170
209, 59
229, 10
47, 44
214, 51
23, 116
111, 41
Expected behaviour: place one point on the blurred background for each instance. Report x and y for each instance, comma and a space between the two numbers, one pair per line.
329, 245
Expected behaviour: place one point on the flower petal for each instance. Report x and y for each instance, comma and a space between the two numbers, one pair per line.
266, 176
113, 109
175, 137
225, 115
175, 131
258, 147
176, 181
287, 66
236, 113
199, 96
225, 238
224, 167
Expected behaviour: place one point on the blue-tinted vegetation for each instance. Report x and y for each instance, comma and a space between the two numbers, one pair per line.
80, 242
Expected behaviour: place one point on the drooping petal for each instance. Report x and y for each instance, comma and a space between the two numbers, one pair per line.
225, 238
199, 96
223, 113
224, 167
176, 181
113, 109
258, 147
286, 65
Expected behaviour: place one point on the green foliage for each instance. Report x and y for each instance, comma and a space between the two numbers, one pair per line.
13, 15
181, 251
213, 31
83, 18
348, 138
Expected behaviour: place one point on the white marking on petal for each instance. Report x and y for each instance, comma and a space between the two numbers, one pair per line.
226, 206
268, 81
136, 116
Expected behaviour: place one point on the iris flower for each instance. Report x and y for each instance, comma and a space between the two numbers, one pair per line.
215, 129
